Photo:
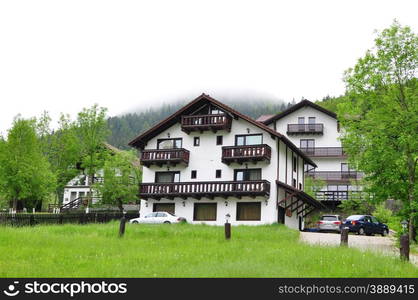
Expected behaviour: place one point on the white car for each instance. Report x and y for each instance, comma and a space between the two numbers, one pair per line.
158, 217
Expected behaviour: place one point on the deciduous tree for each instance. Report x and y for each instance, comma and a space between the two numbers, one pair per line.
380, 117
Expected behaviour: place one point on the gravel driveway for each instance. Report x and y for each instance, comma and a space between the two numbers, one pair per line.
380, 244
375, 243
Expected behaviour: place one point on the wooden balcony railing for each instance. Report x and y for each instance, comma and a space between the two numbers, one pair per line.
336, 175
208, 189
324, 152
161, 157
206, 122
317, 128
242, 154
339, 195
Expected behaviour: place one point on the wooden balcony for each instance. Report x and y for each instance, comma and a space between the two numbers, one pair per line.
324, 152
206, 122
337, 176
339, 195
161, 157
317, 128
241, 154
207, 189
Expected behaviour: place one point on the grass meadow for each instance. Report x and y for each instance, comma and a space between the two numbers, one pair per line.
181, 250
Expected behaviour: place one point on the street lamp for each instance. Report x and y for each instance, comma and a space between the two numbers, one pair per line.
404, 224
227, 217
227, 227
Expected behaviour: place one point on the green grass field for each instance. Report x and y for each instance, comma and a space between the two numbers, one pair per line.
181, 251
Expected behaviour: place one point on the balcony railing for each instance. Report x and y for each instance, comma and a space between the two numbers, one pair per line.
241, 154
208, 189
339, 195
161, 157
206, 122
317, 128
324, 152
336, 175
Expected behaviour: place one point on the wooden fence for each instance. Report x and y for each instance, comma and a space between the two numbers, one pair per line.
22, 219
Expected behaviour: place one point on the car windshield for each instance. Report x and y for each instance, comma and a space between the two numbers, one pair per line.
329, 218
355, 217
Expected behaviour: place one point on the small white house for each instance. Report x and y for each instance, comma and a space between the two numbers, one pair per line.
207, 161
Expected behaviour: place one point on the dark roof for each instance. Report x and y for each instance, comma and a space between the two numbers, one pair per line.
262, 118
301, 195
140, 141
296, 107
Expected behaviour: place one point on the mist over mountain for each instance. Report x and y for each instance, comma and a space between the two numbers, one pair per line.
127, 126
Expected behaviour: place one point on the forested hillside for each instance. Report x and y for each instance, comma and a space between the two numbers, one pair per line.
126, 127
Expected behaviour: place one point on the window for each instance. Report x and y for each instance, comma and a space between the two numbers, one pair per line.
218, 173
161, 215
312, 120
215, 111
248, 211
301, 120
196, 141
167, 177
250, 139
204, 212
294, 182
300, 186
219, 140
307, 143
169, 143
151, 215
295, 163
247, 174
167, 207
194, 174
345, 167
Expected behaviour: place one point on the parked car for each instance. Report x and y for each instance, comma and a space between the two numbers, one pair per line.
365, 224
329, 223
158, 217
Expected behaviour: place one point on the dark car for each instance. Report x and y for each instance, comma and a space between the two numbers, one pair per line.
365, 224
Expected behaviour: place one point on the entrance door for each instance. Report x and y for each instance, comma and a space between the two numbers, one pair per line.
280, 215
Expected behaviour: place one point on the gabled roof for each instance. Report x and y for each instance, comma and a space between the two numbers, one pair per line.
297, 106
140, 141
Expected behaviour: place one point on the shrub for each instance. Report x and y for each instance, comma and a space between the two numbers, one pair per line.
382, 213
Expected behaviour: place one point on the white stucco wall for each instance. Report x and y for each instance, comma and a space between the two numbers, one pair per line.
206, 159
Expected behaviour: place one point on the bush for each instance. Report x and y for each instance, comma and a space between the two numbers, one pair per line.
382, 213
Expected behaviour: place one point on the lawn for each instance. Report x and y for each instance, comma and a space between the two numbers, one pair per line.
181, 251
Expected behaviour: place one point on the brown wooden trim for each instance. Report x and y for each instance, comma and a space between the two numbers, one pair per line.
285, 180
241, 154
198, 189
164, 157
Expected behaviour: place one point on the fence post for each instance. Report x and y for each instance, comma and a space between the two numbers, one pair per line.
81, 219
404, 241
122, 225
32, 220
344, 236
60, 219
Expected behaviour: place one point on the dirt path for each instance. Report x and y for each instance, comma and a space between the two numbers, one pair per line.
383, 245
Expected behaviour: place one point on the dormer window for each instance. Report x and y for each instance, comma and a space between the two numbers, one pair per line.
312, 120
301, 120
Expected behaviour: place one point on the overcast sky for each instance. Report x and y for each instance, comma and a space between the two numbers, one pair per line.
61, 56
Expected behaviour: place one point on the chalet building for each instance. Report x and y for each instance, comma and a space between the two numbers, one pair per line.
316, 132
207, 161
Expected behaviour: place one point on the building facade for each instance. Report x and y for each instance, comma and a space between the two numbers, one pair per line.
317, 133
207, 161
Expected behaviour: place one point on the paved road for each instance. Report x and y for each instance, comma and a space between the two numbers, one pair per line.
383, 245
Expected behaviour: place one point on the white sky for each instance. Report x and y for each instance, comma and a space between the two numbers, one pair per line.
61, 56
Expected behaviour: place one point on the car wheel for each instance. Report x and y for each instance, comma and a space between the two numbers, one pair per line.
135, 222
361, 231
167, 222
385, 232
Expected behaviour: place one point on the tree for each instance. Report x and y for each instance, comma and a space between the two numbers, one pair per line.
380, 117
92, 132
62, 149
121, 177
25, 173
